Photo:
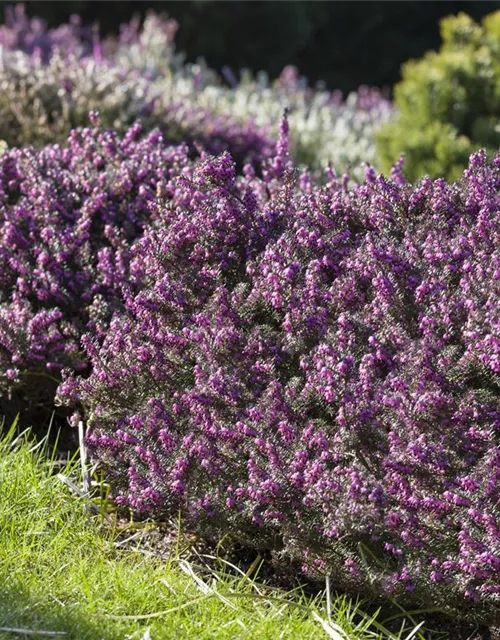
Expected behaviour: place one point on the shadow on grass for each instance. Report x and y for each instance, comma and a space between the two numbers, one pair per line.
25, 615
32, 407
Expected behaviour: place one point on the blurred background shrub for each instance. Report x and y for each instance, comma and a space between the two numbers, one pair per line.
448, 101
52, 77
345, 44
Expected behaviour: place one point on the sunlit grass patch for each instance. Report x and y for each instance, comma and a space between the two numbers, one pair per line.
64, 573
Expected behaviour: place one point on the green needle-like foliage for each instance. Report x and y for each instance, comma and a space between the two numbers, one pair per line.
448, 102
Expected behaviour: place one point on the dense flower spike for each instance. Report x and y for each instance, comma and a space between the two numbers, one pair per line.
317, 369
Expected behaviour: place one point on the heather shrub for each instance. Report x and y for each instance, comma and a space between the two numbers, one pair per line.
316, 369
327, 128
447, 102
149, 47
33, 35
41, 102
270, 36
51, 79
68, 217
46, 93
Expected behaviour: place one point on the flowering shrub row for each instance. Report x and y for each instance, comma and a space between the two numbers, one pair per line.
68, 216
45, 93
316, 369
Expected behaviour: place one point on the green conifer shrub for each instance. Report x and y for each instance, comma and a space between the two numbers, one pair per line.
448, 102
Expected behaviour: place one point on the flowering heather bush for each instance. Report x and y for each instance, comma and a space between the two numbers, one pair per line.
317, 369
41, 102
148, 47
139, 75
33, 35
51, 79
327, 128
68, 216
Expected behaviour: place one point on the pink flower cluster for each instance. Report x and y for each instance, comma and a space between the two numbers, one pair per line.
68, 218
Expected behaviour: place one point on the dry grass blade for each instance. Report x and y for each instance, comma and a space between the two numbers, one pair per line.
33, 632
83, 458
416, 630
245, 578
333, 631
126, 541
75, 489
202, 585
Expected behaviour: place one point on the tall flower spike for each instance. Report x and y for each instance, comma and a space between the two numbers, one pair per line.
282, 156
397, 174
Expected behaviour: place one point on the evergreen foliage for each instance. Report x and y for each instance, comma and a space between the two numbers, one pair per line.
448, 102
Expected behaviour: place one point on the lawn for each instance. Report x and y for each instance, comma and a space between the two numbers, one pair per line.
67, 569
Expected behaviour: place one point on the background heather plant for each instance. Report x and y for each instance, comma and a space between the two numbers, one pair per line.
51, 79
31, 35
41, 102
68, 216
316, 369
328, 128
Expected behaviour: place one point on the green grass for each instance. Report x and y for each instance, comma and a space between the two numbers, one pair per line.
63, 575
